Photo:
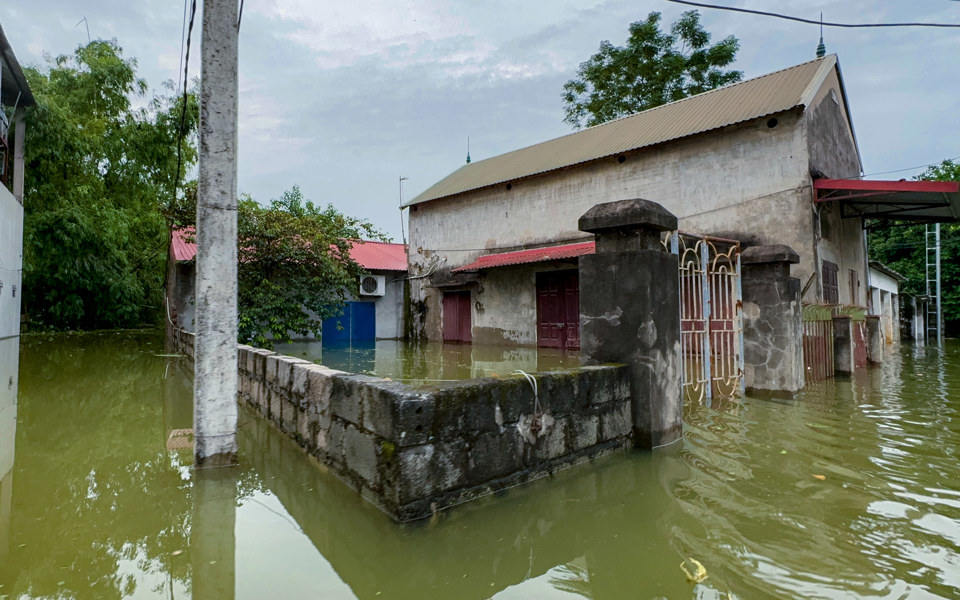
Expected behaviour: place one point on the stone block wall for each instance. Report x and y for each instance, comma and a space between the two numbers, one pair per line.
413, 451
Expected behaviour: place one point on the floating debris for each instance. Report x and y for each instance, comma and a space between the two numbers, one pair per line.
820, 477
699, 571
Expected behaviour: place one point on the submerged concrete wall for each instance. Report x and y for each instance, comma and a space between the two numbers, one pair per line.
413, 451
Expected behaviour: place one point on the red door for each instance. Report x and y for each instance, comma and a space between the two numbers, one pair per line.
558, 309
456, 317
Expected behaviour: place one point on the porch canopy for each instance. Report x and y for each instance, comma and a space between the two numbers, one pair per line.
535, 255
916, 201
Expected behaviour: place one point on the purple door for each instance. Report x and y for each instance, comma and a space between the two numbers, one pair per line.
456, 317
558, 309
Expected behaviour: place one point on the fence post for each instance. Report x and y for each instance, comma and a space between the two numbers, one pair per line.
875, 340
772, 320
630, 311
843, 359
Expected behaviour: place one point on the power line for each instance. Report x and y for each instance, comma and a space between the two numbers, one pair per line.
183, 111
183, 36
812, 21
918, 166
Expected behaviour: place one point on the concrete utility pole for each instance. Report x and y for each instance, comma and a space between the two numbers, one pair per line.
215, 360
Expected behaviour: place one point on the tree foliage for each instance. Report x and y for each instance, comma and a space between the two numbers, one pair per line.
98, 172
294, 266
903, 249
653, 68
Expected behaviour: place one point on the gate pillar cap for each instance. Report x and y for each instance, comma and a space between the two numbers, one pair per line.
774, 253
636, 213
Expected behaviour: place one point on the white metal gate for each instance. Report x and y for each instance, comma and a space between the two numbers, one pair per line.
711, 328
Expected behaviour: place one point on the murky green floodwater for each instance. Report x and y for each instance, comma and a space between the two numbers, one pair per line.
850, 491
426, 363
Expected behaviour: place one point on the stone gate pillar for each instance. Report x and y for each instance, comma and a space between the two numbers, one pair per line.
772, 320
843, 359
875, 339
630, 311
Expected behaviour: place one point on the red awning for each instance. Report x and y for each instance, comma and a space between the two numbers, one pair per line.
529, 256
919, 201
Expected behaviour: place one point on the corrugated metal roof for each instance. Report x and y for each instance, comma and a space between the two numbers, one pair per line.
182, 249
736, 103
380, 256
922, 201
520, 257
373, 256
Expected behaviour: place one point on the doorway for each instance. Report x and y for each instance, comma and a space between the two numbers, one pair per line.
558, 309
456, 317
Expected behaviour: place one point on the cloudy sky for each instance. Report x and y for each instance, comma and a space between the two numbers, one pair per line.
342, 98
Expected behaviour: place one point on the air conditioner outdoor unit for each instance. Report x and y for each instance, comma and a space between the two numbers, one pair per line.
372, 285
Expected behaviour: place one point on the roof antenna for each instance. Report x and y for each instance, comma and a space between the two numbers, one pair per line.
821, 49
468, 149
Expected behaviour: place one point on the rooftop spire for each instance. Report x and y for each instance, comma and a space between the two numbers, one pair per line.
821, 49
468, 149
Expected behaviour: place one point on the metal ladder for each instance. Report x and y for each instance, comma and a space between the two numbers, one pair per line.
932, 238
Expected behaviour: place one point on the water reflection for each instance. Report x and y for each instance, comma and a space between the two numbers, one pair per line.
847, 491
430, 362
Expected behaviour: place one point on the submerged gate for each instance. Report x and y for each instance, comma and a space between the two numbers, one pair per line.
711, 326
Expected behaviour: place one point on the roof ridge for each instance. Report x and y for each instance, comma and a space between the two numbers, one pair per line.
710, 91
647, 111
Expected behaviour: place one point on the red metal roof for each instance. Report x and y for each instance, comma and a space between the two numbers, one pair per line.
924, 201
373, 256
380, 256
182, 249
529, 256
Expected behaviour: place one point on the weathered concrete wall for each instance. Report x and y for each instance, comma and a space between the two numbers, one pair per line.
748, 182
9, 369
833, 154
390, 306
884, 291
503, 305
772, 320
413, 451
11, 261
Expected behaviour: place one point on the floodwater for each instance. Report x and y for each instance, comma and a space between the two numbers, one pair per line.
426, 363
849, 491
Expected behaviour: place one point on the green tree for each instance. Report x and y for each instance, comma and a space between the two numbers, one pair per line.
652, 69
294, 266
903, 249
98, 172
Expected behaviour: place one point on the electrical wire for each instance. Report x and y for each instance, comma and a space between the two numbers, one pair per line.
912, 168
183, 111
240, 15
812, 21
183, 37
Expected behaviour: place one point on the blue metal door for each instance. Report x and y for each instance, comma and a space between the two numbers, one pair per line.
358, 323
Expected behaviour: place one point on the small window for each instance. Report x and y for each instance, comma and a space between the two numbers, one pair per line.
831, 287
